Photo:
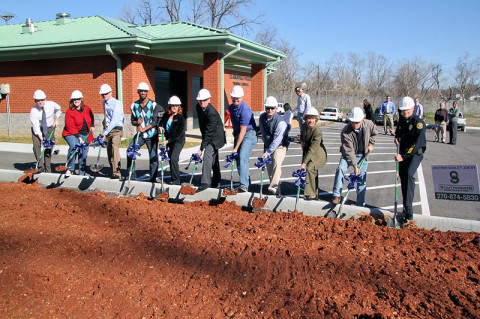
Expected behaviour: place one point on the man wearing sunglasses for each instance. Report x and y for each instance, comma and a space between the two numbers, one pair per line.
275, 140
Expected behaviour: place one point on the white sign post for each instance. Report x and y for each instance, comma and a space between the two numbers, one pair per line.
456, 182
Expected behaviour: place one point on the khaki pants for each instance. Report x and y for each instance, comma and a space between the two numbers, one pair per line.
45, 163
440, 127
113, 150
275, 169
388, 121
311, 188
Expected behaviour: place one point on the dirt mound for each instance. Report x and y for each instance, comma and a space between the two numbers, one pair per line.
66, 254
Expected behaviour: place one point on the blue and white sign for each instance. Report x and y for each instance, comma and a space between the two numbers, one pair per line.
456, 182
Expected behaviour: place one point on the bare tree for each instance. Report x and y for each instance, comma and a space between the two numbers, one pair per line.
172, 9
378, 75
467, 73
438, 78
230, 14
355, 68
282, 82
268, 36
144, 12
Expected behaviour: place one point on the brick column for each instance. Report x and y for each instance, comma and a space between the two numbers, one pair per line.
258, 87
211, 77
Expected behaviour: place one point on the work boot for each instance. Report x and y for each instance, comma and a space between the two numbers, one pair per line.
336, 200
201, 188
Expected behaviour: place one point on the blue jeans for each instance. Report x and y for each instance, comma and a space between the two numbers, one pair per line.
72, 140
361, 187
152, 146
243, 163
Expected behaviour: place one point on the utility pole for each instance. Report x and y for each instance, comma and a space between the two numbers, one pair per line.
7, 16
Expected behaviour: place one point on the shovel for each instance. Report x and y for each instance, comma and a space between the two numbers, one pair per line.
262, 165
353, 179
132, 152
196, 159
78, 149
300, 174
163, 158
47, 144
98, 141
392, 221
230, 159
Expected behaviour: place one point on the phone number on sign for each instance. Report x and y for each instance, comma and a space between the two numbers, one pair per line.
452, 196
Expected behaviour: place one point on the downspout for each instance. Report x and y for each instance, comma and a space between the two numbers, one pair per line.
265, 87
222, 80
119, 73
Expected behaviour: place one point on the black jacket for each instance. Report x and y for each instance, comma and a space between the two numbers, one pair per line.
211, 127
368, 111
177, 131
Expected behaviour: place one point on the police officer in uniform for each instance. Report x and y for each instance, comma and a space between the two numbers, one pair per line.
410, 134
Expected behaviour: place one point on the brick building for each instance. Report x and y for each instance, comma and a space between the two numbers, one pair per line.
66, 54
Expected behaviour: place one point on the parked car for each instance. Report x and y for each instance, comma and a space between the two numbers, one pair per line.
332, 114
280, 108
378, 118
462, 122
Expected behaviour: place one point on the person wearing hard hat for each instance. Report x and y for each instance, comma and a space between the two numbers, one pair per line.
275, 140
244, 133
113, 125
314, 153
387, 110
358, 139
44, 118
410, 136
145, 117
79, 122
173, 125
303, 105
213, 139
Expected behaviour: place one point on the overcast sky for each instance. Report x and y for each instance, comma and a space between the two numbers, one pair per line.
435, 30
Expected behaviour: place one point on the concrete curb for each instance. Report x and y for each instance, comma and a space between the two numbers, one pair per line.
273, 203
93, 152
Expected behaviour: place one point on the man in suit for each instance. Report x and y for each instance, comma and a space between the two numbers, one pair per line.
213, 138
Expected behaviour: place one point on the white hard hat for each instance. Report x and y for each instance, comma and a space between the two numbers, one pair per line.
104, 89
203, 95
237, 92
311, 111
142, 86
355, 115
271, 102
406, 103
174, 100
76, 95
39, 95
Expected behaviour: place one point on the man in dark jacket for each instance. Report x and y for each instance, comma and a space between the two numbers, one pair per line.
213, 138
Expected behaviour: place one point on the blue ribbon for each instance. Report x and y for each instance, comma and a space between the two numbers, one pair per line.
261, 162
230, 158
98, 141
48, 144
194, 158
80, 148
300, 174
164, 153
132, 151
352, 179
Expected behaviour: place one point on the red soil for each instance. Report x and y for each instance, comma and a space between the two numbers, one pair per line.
76, 255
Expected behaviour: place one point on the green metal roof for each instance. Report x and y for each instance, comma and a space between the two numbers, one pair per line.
88, 36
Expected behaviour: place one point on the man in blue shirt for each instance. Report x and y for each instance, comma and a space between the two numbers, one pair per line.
303, 104
244, 133
388, 111
275, 141
113, 125
418, 109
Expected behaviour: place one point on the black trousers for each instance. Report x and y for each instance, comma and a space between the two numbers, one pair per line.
406, 171
453, 132
174, 154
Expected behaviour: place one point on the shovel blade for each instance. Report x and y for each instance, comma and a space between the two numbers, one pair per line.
96, 168
391, 222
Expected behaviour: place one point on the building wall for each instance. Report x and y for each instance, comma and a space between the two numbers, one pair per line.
58, 78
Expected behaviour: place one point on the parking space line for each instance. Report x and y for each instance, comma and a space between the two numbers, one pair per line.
400, 206
423, 191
